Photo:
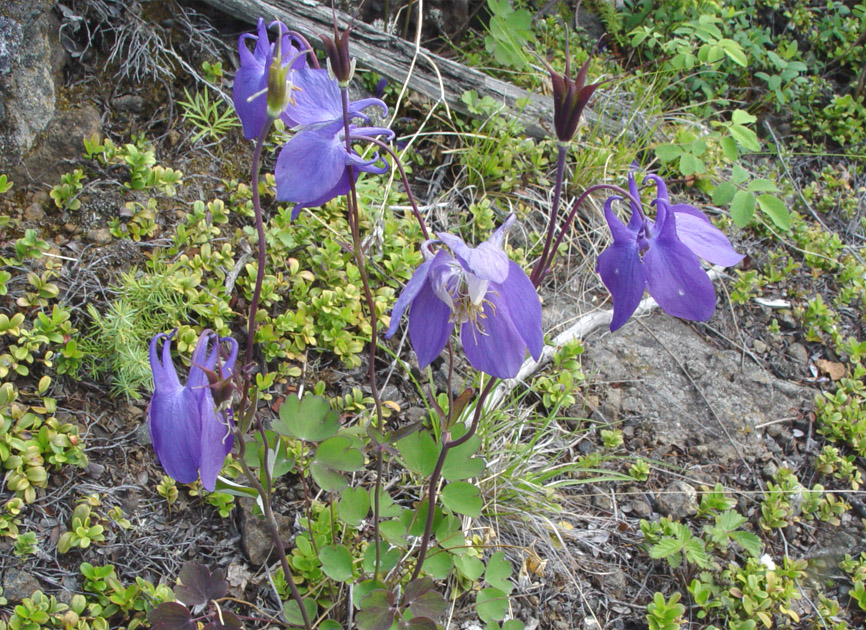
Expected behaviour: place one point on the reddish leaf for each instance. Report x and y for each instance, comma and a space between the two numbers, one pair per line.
171, 616
198, 585
229, 621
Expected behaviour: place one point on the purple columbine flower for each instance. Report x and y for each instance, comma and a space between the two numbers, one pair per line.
312, 167
191, 433
479, 288
662, 257
260, 80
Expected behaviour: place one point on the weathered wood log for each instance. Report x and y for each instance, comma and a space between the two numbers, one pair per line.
432, 75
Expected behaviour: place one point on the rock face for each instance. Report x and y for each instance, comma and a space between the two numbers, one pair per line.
689, 395
30, 63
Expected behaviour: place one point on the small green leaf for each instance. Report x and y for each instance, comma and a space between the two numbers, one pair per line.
310, 419
336, 562
339, 453
742, 117
328, 480
668, 152
691, 165
462, 497
293, 615
743, 208
459, 463
729, 148
498, 571
438, 564
745, 137
723, 193
748, 541
739, 174
775, 208
492, 604
762, 185
354, 505
469, 566
419, 453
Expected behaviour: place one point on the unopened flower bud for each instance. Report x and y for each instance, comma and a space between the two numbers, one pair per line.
340, 65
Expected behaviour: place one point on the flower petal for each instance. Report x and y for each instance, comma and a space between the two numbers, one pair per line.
520, 297
621, 269
173, 418
416, 282
675, 277
311, 164
499, 350
317, 99
216, 440
486, 261
430, 325
705, 239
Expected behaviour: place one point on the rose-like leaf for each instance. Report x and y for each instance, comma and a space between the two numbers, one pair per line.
171, 616
198, 585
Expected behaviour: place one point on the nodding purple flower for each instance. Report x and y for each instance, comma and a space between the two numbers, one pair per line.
263, 84
662, 256
481, 290
312, 167
191, 433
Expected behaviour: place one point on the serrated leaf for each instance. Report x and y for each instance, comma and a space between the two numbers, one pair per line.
198, 585
734, 52
336, 562
742, 117
665, 548
354, 505
748, 541
742, 208
723, 193
776, 209
491, 604
310, 419
462, 497
171, 616
739, 175
498, 571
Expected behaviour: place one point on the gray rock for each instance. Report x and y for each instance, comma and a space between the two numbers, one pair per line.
61, 143
759, 346
678, 500
100, 236
19, 584
30, 63
34, 213
798, 353
255, 535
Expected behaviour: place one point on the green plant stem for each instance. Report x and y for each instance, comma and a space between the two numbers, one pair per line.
358, 251
272, 527
447, 445
562, 152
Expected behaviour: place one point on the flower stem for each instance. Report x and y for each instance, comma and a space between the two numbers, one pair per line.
541, 268
358, 251
405, 179
541, 265
447, 445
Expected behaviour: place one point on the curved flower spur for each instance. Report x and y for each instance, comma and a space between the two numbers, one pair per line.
662, 256
480, 289
190, 425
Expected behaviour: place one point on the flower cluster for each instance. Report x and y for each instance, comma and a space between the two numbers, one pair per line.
190, 430
661, 256
275, 81
484, 292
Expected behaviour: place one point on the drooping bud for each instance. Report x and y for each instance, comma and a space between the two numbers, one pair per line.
340, 65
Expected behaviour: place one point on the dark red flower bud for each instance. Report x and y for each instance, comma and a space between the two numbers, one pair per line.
339, 62
570, 96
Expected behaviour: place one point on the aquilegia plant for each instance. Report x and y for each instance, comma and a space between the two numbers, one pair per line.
474, 290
